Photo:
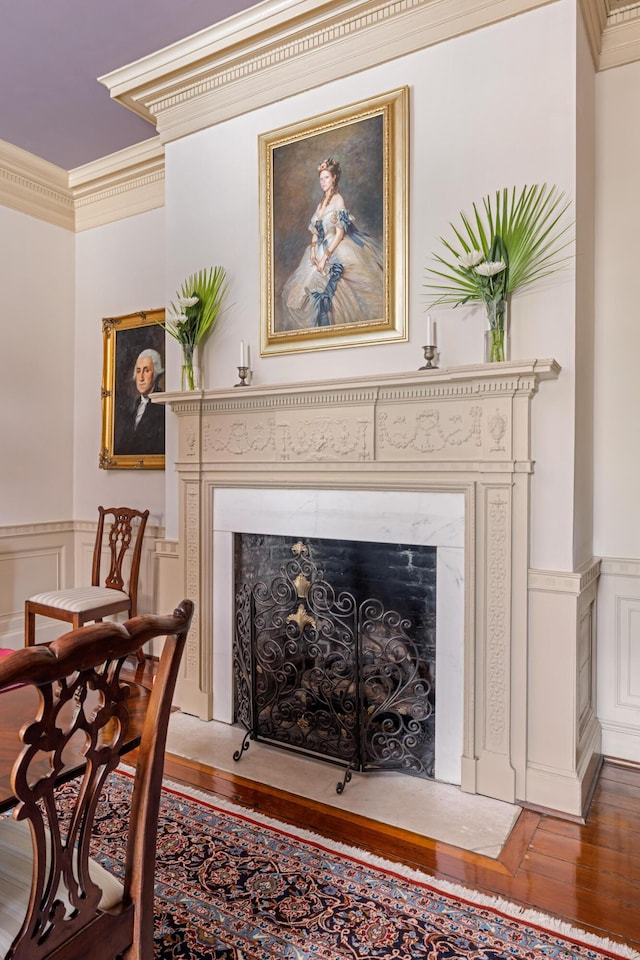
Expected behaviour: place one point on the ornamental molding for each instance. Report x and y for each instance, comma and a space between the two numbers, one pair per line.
461, 419
498, 511
33, 186
237, 437
614, 567
573, 583
55, 527
613, 29
428, 431
510, 378
192, 571
275, 50
9, 531
167, 548
283, 47
116, 187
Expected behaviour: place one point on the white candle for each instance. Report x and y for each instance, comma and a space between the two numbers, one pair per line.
242, 363
431, 334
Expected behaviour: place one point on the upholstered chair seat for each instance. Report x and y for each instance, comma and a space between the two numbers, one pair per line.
81, 599
16, 874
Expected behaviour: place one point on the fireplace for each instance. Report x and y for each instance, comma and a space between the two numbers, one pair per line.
434, 521
334, 651
449, 451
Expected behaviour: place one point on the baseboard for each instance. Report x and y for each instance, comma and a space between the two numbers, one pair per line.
620, 762
621, 741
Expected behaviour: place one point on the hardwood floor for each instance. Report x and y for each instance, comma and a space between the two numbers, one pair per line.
586, 873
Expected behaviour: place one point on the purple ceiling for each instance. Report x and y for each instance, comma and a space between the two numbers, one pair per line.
51, 52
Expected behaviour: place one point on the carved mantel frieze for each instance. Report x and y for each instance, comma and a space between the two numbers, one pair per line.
450, 418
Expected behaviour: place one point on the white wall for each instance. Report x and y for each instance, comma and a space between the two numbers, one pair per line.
617, 449
471, 133
585, 260
120, 270
36, 370
617, 514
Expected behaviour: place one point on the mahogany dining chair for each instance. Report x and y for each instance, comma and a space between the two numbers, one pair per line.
80, 605
56, 902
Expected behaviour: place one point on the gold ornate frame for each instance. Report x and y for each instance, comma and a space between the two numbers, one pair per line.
370, 139
124, 339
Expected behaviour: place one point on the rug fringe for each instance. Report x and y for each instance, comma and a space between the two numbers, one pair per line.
507, 907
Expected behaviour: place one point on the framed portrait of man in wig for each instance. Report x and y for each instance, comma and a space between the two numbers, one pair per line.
333, 208
133, 426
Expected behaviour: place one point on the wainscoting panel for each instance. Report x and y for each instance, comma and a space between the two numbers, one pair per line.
562, 684
619, 658
19, 571
33, 558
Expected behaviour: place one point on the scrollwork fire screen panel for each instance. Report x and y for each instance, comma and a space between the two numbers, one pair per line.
320, 672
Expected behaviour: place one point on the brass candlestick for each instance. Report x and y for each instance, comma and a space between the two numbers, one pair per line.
429, 355
243, 373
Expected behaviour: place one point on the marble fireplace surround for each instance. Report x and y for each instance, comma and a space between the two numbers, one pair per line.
463, 431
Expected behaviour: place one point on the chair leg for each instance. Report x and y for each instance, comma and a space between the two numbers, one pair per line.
29, 626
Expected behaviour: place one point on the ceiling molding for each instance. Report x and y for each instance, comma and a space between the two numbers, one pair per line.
34, 186
273, 50
620, 43
283, 47
120, 185
613, 28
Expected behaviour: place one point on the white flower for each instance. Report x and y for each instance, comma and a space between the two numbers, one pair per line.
490, 268
187, 301
470, 259
177, 318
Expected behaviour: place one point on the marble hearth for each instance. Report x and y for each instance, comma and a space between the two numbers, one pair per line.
443, 457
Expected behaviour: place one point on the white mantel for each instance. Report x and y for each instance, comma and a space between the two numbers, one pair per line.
464, 430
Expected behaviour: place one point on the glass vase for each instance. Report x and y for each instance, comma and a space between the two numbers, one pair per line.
496, 338
191, 378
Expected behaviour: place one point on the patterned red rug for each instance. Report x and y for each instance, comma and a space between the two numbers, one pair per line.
235, 886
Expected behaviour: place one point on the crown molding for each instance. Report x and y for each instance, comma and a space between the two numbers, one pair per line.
271, 51
620, 42
283, 47
120, 185
613, 28
34, 186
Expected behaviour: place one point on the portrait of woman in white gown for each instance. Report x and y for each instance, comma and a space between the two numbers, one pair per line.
340, 277
333, 228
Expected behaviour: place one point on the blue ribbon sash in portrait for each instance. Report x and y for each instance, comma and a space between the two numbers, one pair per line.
323, 299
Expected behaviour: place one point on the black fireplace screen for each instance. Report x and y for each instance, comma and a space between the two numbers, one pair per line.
321, 672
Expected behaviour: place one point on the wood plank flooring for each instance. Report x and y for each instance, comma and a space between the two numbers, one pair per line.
586, 873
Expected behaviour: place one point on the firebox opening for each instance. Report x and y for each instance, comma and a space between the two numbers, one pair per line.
335, 649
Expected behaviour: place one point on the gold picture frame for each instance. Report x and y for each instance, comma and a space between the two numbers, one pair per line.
133, 436
334, 228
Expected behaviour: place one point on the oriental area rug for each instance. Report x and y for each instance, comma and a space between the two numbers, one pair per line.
232, 885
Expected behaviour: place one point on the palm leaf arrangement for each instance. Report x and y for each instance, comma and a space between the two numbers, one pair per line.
509, 242
195, 313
